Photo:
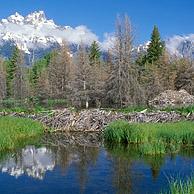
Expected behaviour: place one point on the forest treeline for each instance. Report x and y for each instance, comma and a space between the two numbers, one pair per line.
89, 78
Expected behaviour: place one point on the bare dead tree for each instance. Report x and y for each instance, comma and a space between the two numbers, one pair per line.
81, 85
123, 85
43, 86
58, 72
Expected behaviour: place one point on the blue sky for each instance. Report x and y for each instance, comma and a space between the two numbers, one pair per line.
171, 16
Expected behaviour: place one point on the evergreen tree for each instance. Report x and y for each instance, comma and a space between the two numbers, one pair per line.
2, 80
155, 48
20, 90
34, 75
10, 71
37, 68
97, 75
94, 53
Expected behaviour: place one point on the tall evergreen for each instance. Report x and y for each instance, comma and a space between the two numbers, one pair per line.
10, 71
38, 67
94, 53
2, 80
155, 48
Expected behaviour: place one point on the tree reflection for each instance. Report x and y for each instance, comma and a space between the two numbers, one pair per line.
123, 158
87, 157
120, 163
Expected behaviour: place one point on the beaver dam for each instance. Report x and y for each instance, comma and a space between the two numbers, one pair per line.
97, 119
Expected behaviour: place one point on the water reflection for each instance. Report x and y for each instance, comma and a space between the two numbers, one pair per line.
31, 161
35, 162
131, 168
115, 169
130, 154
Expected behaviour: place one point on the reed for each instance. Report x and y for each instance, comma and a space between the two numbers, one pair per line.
181, 187
153, 138
14, 132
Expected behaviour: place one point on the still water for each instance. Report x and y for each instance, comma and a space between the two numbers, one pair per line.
81, 169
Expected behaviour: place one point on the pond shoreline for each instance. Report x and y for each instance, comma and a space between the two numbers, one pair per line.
92, 120
87, 127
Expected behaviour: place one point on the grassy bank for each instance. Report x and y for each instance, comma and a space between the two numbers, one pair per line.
181, 187
152, 138
14, 132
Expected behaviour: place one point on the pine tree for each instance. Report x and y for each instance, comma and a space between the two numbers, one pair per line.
2, 80
155, 48
94, 53
10, 70
97, 75
37, 69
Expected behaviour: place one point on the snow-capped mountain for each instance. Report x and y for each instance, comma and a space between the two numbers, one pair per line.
35, 34
182, 46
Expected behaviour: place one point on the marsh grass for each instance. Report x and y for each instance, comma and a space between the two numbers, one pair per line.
15, 132
178, 186
152, 138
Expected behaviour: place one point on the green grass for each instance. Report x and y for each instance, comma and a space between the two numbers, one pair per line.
152, 138
57, 103
14, 132
181, 187
180, 110
31, 105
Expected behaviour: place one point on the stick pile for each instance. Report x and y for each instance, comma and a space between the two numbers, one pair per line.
95, 119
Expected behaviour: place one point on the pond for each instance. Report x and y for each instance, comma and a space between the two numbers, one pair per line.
81, 169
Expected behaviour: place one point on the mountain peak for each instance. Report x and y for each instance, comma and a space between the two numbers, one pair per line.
16, 18
35, 18
35, 33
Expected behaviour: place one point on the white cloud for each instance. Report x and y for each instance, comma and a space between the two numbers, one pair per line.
76, 35
108, 42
